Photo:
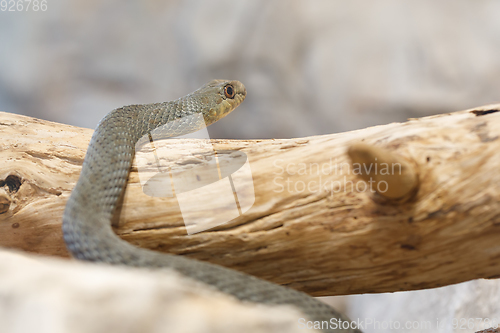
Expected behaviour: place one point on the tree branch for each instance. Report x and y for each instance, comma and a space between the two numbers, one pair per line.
314, 225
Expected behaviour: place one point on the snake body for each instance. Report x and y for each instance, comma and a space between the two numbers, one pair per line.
92, 204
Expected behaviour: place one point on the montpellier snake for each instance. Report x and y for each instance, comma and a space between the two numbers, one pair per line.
92, 204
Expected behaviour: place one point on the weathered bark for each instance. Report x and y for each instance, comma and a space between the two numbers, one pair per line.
314, 226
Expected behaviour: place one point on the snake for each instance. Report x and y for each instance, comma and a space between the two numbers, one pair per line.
87, 219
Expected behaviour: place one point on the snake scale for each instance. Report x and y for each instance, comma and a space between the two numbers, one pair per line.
92, 204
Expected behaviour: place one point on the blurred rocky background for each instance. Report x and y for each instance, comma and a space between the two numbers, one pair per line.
310, 67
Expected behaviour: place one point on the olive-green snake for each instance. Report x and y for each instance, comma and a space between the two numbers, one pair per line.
92, 204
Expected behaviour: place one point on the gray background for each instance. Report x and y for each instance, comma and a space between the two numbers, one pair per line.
311, 67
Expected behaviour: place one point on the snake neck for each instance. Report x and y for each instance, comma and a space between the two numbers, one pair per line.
87, 218
90, 208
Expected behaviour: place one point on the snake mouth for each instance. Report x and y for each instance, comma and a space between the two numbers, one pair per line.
217, 99
241, 96
228, 105
241, 91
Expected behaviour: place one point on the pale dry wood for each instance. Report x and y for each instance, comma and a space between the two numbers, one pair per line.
310, 227
392, 176
52, 295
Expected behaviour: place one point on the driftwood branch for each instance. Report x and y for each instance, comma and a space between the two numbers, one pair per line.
322, 221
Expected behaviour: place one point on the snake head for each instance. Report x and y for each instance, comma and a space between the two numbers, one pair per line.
218, 98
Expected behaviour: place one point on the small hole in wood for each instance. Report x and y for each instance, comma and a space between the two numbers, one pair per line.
484, 112
13, 182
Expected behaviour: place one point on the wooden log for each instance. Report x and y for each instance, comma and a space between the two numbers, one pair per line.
314, 225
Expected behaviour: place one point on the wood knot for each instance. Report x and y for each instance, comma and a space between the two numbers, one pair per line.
5, 201
13, 182
8, 186
393, 176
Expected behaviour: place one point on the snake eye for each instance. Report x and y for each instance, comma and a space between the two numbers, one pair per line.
229, 91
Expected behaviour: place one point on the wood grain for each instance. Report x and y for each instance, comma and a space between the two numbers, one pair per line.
314, 225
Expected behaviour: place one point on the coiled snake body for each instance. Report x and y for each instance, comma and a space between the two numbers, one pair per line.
90, 208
